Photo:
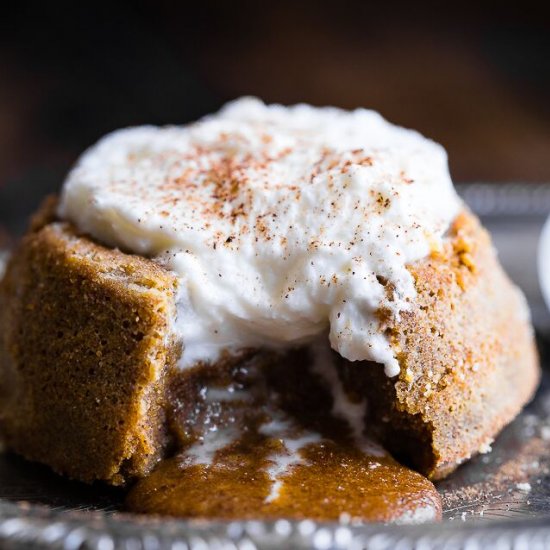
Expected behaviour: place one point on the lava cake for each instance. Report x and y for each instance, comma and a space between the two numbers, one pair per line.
272, 312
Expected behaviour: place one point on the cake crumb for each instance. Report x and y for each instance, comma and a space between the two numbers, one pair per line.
485, 447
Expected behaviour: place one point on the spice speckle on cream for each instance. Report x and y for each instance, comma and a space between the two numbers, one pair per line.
281, 222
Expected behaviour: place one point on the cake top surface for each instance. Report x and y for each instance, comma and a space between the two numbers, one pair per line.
282, 222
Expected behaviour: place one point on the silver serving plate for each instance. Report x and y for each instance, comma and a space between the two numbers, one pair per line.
498, 500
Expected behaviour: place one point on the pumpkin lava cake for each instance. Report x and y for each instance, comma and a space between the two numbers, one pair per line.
244, 317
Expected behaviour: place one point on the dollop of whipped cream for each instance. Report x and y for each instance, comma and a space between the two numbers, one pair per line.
281, 222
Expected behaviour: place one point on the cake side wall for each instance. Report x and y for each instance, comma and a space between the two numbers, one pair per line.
84, 352
467, 354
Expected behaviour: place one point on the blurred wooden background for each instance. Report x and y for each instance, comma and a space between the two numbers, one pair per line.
475, 78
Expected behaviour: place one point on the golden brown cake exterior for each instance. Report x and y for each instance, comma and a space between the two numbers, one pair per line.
467, 355
85, 341
86, 346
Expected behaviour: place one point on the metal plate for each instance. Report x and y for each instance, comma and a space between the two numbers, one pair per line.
498, 500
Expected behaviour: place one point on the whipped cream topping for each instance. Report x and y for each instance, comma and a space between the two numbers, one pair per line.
281, 222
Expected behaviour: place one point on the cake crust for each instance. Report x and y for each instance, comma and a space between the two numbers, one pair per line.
85, 346
467, 355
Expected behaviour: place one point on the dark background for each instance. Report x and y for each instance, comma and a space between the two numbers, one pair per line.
474, 77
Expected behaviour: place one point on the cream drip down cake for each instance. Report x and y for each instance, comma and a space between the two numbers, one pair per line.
262, 296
